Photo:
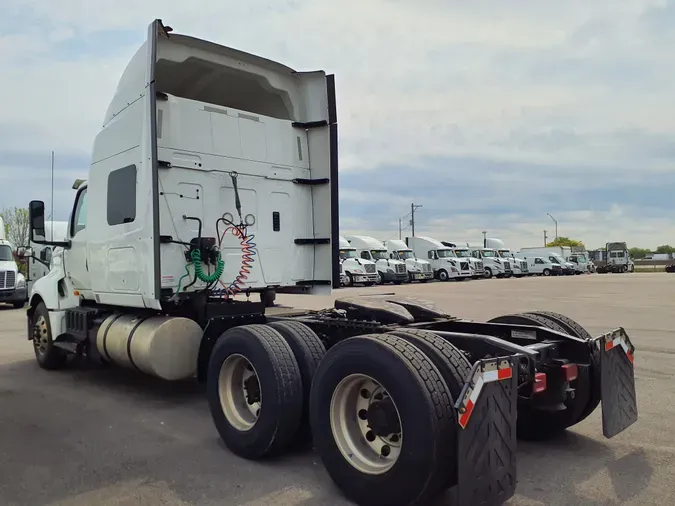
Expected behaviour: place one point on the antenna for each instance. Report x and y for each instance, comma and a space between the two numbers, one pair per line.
52, 239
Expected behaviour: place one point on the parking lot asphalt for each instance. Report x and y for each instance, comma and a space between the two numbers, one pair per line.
88, 437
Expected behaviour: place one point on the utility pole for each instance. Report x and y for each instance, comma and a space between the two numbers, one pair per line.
484, 238
413, 208
544, 238
399, 229
556, 224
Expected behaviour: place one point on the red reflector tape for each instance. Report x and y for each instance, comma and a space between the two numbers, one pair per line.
630, 356
610, 344
503, 372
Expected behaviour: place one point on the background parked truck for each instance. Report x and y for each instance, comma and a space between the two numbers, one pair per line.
369, 248
618, 259
444, 261
418, 269
462, 251
355, 269
12, 283
519, 265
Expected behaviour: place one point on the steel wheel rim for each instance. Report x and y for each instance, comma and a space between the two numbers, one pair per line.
240, 401
368, 452
41, 336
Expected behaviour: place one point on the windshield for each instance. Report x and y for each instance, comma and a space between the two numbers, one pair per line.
488, 253
447, 253
347, 253
462, 253
505, 253
404, 255
5, 253
379, 254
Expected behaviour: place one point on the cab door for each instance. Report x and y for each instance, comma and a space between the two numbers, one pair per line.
75, 257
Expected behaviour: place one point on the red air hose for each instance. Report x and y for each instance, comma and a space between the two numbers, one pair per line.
248, 252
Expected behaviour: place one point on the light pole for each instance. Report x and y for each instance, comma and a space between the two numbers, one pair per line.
484, 238
544, 238
413, 208
556, 224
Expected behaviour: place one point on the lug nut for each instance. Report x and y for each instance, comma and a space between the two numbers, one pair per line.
363, 414
386, 450
365, 394
370, 436
394, 438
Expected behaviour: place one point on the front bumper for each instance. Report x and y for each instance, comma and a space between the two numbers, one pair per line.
364, 278
395, 276
420, 276
14, 295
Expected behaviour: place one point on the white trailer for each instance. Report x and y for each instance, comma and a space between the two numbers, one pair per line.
418, 268
204, 146
389, 270
355, 269
444, 261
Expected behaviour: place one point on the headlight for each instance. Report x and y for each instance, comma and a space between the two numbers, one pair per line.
21, 283
390, 270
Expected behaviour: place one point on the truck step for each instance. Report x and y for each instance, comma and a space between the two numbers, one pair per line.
79, 321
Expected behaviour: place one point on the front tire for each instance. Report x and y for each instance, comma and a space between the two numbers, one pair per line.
443, 275
18, 305
48, 356
546, 272
488, 273
254, 390
383, 421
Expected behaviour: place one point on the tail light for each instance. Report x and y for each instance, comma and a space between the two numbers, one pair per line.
571, 371
539, 382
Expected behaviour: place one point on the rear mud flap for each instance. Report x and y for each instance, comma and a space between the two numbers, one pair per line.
617, 382
487, 408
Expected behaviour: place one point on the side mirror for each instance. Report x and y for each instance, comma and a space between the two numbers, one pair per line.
24, 252
36, 214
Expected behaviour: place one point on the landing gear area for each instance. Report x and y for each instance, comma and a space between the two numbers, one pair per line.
375, 376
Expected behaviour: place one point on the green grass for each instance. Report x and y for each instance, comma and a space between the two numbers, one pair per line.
651, 268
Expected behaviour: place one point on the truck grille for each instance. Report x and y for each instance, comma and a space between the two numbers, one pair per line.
370, 268
464, 265
523, 266
507, 266
400, 269
7, 279
426, 267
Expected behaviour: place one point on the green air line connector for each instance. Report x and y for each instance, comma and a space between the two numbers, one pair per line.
199, 272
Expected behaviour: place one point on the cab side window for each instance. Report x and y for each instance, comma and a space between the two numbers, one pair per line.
365, 255
430, 255
80, 216
538, 261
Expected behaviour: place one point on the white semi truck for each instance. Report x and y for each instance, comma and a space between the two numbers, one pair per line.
418, 268
355, 269
12, 283
618, 259
444, 261
204, 146
462, 251
519, 265
493, 264
389, 270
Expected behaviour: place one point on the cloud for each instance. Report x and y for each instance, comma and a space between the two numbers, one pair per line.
488, 113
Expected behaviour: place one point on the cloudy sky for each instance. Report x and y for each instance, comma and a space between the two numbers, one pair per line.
490, 114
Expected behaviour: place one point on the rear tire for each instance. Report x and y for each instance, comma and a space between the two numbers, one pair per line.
48, 356
308, 351
250, 428
535, 424
420, 399
576, 330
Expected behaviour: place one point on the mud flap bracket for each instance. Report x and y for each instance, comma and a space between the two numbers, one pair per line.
486, 456
617, 381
